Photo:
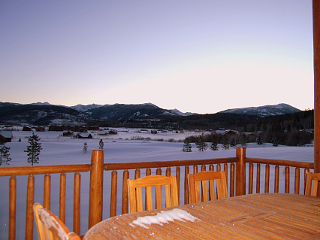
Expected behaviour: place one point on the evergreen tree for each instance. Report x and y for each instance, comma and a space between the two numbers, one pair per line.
225, 145
233, 142
201, 144
85, 147
259, 140
33, 150
101, 144
243, 140
274, 142
214, 143
4, 154
186, 146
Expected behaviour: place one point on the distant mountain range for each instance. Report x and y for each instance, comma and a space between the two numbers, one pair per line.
47, 114
127, 111
264, 111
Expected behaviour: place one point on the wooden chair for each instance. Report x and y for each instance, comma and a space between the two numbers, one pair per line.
312, 183
50, 227
135, 192
202, 177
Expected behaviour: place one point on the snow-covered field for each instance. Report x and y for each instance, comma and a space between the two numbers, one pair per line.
123, 147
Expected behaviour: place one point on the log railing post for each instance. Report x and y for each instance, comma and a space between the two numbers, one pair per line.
76, 202
47, 191
30, 202
96, 187
186, 185
125, 193
316, 66
241, 172
62, 198
12, 208
113, 196
232, 180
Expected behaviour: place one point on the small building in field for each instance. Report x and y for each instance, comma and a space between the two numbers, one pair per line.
5, 136
67, 133
40, 129
83, 135
113, 131
103, 132
27, 128
230, 132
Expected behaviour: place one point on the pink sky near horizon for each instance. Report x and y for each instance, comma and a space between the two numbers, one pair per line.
197, 56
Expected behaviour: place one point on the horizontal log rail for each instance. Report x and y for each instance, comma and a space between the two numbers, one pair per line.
280, 162
122, 166
237, 169
37, 170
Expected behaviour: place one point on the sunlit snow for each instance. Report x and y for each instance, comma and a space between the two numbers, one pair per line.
58, 150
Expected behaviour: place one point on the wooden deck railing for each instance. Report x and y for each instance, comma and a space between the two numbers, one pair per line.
241, 172
167, 168
271, 165
47, 171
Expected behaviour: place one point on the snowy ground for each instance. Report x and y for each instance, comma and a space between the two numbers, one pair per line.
58, 150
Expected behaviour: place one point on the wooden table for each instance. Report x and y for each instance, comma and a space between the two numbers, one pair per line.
257, 216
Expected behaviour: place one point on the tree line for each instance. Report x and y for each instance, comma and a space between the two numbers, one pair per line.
203, 141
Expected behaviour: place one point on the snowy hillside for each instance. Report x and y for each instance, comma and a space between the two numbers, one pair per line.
131, 111
123, 147
134, 115
84, 108
263, 111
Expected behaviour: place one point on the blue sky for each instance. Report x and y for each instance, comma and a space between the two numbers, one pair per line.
196, 56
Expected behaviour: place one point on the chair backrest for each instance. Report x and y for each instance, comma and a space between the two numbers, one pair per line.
50, 226
312, 183
135, 192
195, 180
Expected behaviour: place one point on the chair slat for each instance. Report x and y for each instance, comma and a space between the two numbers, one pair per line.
167, 193
158, 197
196, 192
132, 199
314, 187
219, 189
174, 191
204, 191
139, 200
211, 190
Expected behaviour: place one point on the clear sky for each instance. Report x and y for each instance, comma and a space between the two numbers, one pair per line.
199, 56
